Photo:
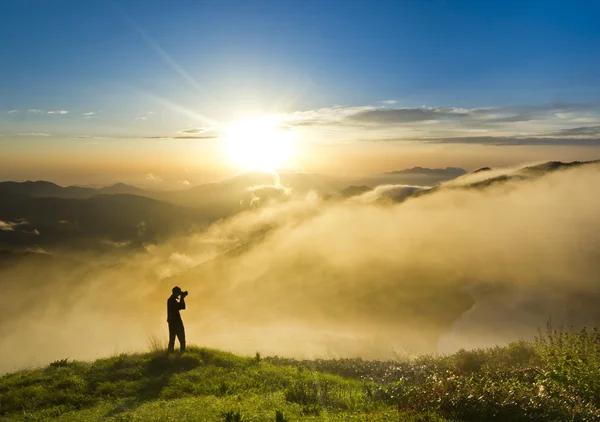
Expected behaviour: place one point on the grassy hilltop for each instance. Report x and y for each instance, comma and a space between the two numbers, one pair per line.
554, 378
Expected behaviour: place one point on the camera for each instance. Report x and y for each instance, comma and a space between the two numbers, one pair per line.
184, 294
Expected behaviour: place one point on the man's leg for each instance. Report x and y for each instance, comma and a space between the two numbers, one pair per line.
172, 333
181, 337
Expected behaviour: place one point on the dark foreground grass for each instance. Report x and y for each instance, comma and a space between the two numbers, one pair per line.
554, 378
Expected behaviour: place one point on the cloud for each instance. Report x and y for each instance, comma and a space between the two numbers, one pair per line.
153, 178
184, 182
200, 136
542, 124
33, 134
326, 116
478, 116
37, 250
360, 268
521, 117
195, 130
144, 116
37, 111
308, 276
561, 106
89, 114
385, 115
407, 115
584, 130
9, 226
196, 137
515, 140
395, 193
176, 263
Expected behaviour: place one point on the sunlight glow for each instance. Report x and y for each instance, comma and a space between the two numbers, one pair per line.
259, 144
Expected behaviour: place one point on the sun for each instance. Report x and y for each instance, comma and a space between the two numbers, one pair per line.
259, 144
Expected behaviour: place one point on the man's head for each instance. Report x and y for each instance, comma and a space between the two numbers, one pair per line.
176, 291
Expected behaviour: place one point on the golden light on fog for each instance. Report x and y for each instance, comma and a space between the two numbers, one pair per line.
259, 144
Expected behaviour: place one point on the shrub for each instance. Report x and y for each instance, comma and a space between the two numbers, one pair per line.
232, 416
60, 363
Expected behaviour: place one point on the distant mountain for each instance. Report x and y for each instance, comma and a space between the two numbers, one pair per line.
220, 198
122, 189
445, 172
556, 165
525, 173
353, 190
224, 197
44, 213
530, 172
47, 221
43, 189
415, 176
467, 181
304, 182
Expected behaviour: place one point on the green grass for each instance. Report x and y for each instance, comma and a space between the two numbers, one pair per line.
554, 378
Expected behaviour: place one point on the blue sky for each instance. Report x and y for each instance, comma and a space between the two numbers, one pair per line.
130, 69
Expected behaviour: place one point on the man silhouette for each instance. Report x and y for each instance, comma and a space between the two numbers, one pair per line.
174, 319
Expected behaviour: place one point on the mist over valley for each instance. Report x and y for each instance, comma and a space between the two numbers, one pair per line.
300, 265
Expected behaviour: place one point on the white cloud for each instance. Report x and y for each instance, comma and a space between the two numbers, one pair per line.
144, 116
153, 178
33, 134
9, 226
322, 116
89, 113
92, 137
518, 125
40, 111
392, 192
184, 182
37, 249
12, 111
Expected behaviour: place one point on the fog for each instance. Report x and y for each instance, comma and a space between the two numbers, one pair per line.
304, 276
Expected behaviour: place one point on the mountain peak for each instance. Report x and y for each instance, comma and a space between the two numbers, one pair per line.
448, 171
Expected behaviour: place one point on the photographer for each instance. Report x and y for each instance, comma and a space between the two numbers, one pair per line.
174, 319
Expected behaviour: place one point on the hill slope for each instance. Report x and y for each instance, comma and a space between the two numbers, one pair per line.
48, 221
522, 381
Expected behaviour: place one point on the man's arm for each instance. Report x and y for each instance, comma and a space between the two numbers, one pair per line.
182, 303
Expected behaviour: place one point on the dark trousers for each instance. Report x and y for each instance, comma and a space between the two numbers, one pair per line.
176, 330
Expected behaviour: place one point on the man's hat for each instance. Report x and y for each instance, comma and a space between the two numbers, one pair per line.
176, 290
